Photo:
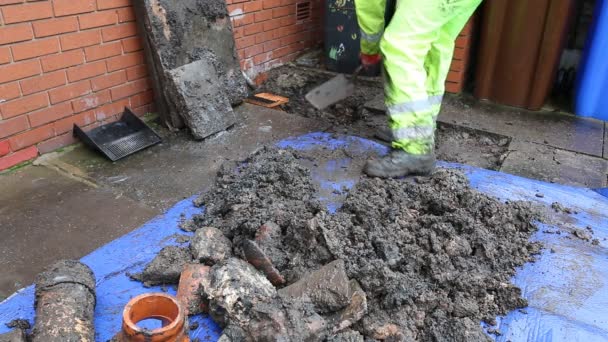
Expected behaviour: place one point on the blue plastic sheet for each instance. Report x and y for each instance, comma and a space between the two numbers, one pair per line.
567, 288
592, 79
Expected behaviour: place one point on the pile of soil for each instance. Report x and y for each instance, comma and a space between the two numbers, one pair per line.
433, 255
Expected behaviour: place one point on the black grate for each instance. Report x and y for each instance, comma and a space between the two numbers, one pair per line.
119, 139
130, 144
303, 11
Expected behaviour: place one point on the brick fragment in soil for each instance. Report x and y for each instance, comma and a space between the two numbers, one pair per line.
434, 257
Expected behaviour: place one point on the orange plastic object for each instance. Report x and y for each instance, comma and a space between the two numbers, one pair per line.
188, 289
267, 100
159, 306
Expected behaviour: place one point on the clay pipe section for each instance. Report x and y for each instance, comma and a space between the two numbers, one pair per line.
159, 306
65, 303
259, 260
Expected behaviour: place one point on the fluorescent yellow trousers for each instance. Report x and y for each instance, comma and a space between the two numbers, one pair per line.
417, 49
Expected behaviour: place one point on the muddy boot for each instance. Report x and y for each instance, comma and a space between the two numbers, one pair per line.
400, 163
384, 134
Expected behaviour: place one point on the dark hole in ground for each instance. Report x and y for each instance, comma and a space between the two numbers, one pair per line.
469, 146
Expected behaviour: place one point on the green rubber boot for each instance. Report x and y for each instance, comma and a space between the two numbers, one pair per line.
400, 163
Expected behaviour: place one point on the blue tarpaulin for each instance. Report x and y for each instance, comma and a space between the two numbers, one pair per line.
567, 287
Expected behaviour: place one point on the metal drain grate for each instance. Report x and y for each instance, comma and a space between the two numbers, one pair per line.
119, 139
303, 10
130, 144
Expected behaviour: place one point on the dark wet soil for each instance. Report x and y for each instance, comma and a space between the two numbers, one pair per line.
295, 83
433, 255
22, 324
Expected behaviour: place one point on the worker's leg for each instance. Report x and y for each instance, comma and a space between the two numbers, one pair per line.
439, 58
406, 43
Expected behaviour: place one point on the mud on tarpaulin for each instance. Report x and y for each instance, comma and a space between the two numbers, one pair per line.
432, 255
179, 33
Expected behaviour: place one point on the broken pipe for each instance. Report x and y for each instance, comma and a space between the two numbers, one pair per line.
65, 303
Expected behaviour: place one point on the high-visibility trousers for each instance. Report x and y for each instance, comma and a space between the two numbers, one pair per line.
417, 48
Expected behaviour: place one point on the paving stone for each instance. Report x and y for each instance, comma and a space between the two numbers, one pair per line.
546, 163
559, 130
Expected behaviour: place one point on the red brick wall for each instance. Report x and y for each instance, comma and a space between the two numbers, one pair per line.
64, 62
460, 63
268, 34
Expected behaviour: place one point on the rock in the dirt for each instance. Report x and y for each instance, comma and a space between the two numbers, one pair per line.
236, 291
346, 336
210, 246
65, 303
16, 335
195, 91
22, 324
581, 234
558, 207
356, 309
240, 295
327, 287
166, 267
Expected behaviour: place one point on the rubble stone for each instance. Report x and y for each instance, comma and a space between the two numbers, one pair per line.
327, 287
195, 92
210, 246
237, 290
178, 33
166, 267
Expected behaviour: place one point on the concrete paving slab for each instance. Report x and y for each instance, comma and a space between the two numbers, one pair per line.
46, 217
554, 129
546, 163
180, 167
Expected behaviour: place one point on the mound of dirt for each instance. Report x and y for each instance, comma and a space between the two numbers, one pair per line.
433, 255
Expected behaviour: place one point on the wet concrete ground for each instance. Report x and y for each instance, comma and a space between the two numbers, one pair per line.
76, 201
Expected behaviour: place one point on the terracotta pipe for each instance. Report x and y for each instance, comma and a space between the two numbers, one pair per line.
256, 257
159, 306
